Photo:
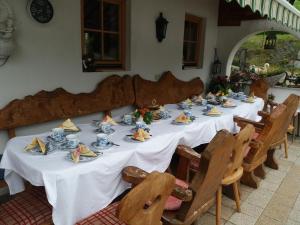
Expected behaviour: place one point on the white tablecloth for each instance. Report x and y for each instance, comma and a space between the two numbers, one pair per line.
77, 190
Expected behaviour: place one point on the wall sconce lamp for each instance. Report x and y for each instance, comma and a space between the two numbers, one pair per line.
161, 27
217, 65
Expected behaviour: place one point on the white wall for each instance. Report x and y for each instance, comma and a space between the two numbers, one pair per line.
49, 56
235, 36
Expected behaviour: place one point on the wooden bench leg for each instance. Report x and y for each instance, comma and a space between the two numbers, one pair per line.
250, 179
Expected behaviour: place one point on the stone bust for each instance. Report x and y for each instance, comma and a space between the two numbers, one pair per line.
6, 20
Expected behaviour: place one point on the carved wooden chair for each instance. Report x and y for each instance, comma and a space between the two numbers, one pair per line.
143, 205
260, 89
292, 104
253, 162
206, 183
235, 170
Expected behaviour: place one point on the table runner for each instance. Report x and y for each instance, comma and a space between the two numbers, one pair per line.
77, 190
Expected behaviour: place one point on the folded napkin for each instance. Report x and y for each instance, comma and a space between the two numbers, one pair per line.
141, 135
82, 150
214, 111
198, 98
228, 103
69, 125
182, 118
250, 99
36, 142
109, 120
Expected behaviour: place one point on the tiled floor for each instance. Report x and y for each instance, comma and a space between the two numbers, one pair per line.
275, 202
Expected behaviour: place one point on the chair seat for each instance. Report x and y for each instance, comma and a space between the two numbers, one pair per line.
232, 178
28, 208
174, 203
106, 216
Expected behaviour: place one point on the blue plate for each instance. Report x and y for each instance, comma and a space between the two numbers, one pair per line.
100, 147
111, 131
84, 158
178, 123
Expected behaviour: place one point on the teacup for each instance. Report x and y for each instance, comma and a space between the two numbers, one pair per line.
105, 127
164, 114
188, 113
57, 134
204, 102
102, 139
184, 105
140, 125
208, 108
72, 140
127, 119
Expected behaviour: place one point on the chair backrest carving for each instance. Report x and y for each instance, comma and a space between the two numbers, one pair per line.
272, 125
135, 207
213, 164
243, 138
260, 88
167, 90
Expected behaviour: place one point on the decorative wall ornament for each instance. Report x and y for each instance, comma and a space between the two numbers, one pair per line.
161, 27
40, 10
6, 32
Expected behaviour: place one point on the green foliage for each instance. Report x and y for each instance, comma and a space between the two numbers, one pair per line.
297, 4
280, 59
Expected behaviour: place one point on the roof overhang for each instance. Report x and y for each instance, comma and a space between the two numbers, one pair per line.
280, 10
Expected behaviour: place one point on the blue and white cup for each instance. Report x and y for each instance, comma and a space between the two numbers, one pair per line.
184, 105
204, 102
57, 134
188, 113
102, 140
72, 140
105, 127
208, 108
127, 119
164, 114
140, 125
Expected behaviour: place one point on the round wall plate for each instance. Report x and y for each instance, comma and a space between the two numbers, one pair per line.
40, 10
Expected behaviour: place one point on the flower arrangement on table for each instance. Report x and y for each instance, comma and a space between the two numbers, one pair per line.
220, 85
144, 113
240, 79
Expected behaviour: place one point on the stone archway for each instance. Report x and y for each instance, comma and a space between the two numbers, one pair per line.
231, 38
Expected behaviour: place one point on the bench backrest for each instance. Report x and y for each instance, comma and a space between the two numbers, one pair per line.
111, 93
167, 90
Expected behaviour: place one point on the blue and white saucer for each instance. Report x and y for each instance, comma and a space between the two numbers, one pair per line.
99, 131
101, 147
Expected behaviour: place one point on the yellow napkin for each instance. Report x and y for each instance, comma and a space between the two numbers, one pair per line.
214, 111
69, 125
228, 103
36, 142
182, 118
82, 150
141, 135
109, 120
250, 99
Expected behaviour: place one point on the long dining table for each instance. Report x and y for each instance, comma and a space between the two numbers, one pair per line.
76, 191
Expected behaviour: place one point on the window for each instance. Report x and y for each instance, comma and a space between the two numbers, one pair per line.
103, 34
193, 44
